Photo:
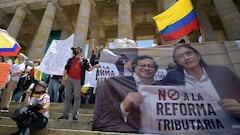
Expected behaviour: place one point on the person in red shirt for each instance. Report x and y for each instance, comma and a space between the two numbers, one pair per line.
74, 69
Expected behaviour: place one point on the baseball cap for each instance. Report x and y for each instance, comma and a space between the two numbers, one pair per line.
76, 47
44, 84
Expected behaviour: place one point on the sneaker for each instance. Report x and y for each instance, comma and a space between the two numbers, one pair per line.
75, 118
4, 110
63, 118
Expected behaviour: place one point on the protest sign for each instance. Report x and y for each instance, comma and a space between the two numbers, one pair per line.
56, 56
104, 71
4, 73
160, 74
175, 108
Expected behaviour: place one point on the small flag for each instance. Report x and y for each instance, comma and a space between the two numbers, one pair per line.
177, 21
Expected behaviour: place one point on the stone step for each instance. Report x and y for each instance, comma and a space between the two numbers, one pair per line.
59, 107
55, 115
52, 110
53, 104
8, 129
83, 119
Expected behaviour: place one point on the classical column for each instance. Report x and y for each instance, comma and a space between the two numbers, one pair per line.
39, 43
230, 17
168, 3
125, 29
94, 37
206, 26
17, 21
1, 17
81, 28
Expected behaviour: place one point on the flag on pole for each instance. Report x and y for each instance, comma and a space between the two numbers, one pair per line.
177, 21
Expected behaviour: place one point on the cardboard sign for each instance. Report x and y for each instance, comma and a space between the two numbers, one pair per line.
177, 108
56, 56
4, 73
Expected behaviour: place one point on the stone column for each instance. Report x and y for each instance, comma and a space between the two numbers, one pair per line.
17, 21
40, 40
1, 17
81, 28
207, 29
125, 29
168, 3
230, 17
94, 37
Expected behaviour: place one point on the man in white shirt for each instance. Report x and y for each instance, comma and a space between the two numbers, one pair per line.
17, 70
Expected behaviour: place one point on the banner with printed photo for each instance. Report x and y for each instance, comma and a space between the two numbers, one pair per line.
109, 115
177, 108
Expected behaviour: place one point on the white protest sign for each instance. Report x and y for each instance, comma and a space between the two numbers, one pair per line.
56, 56
160, 74
106, 70
90, 78
175, 108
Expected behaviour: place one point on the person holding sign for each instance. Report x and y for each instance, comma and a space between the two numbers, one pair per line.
192, 71
117, 99
16, 71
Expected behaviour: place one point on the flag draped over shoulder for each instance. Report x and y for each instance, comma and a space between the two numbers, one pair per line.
177, 21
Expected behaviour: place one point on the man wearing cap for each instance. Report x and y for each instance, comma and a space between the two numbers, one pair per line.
16, 71
74, 69
39, 102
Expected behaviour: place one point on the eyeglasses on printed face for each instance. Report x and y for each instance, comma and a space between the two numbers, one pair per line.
149, 66
181, 55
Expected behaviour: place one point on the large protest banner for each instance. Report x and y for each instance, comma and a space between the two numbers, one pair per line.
177, 108
56, 56
110, 95
4, 72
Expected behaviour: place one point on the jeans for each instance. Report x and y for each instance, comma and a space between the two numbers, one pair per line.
53, 89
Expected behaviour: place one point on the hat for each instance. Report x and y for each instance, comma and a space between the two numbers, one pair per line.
42, 83
76, 47
23, 55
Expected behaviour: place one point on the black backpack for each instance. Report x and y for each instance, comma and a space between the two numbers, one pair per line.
22, 116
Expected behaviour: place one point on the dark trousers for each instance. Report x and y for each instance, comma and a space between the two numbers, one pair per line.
39, 123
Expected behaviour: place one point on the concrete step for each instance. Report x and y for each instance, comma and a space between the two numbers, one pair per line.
53, 104
52, 110
8, 126
56, 124
59, 108
54, 116
6, 130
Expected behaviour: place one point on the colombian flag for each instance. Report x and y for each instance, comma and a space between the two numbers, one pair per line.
177, 21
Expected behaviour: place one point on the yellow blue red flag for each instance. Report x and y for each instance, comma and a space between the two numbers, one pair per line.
177, 21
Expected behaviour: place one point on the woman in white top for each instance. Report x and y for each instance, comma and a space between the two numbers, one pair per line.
39, 102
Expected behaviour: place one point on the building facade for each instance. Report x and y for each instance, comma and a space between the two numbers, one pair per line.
35, 22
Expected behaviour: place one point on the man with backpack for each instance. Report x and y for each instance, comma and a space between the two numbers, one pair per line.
75, 71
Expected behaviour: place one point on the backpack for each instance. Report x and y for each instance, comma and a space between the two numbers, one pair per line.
22, 116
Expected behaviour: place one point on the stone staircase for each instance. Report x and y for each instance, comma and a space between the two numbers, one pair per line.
56, 127
84, 125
